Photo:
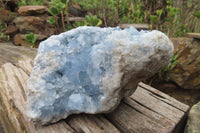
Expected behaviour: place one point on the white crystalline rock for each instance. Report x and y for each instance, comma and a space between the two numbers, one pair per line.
90, 69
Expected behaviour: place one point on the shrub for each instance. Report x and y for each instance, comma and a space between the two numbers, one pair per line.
31, 39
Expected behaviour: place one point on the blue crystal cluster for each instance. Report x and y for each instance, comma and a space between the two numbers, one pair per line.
89, 69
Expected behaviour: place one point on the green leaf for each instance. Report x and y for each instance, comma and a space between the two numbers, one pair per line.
99, 22
197, 14
154, 18
31, 38
92, 20
68, 26
65, 1
169, 2
77, 24
54, 11
159, 12
172, 63
60, 6
175, 57
52, 21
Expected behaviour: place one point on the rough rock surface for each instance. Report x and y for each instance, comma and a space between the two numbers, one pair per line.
37, 25
193, 120
6, 16
32, 10
11, 30
89, 69
20, 39
186, 73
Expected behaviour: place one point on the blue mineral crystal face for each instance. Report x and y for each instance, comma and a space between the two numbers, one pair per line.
89, 70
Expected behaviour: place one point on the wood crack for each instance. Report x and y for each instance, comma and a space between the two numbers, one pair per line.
21, 87
159, 97
167, 103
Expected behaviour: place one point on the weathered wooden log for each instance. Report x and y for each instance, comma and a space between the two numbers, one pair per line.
193, 35
137, 26
146, 111
76, 19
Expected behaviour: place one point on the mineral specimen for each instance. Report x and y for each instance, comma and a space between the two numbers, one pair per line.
90, 69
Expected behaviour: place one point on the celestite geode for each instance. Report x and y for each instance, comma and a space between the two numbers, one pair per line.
90, 69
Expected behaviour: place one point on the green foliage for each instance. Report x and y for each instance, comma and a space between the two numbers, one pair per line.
172, 63
173, 24
123, 10
52, 21
31, 38
92, 20
154, 19
197, 14
56, 7
30, 2
181, 31
65, 1
59, 8
131, 11
159, 12
137, 14
3, 37
2, 27
89, 4
113, 12
54, 11
68, 26
78, 24
171, 12
169, 2
106, 10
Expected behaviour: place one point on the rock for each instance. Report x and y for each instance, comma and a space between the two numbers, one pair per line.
20, 39
39, 37
29, 24
76, 10
193, 121
6, 16
31, 10
90, 69
37, 25
11, 29
187, 72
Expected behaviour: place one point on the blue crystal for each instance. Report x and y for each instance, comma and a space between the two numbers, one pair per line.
89, 69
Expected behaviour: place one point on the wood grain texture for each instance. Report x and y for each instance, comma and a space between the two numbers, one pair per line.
137, 26
149, 111
164, 97
12, 54
91, 124
13, 77
146, 111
